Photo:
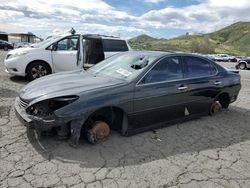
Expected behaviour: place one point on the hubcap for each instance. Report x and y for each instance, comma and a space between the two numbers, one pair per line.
38, 71
242, 66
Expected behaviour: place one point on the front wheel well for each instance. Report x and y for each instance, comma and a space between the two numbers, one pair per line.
38, 60
113, 116
224, 100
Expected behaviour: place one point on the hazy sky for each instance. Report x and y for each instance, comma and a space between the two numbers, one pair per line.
127, 18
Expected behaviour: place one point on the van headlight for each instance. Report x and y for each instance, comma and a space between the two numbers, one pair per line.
17, 54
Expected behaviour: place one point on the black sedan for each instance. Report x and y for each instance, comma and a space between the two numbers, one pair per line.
130, 92
5, 45
243, 63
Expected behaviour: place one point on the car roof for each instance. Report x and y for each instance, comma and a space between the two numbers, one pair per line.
159, 54
97, 36
156, 54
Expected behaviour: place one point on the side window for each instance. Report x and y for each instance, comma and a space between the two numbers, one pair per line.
167, 69
114, 45
69, 44
197, 67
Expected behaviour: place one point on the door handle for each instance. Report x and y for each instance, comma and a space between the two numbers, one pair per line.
181, 88
217, 83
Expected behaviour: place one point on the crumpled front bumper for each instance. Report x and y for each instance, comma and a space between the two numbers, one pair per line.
36, 122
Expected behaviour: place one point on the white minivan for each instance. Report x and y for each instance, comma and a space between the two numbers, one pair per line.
62, 53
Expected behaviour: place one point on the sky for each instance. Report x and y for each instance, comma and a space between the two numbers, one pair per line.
124, 18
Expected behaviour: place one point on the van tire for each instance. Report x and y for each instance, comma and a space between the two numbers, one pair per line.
37, 69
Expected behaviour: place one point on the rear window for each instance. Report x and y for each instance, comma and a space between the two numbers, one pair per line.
114, 45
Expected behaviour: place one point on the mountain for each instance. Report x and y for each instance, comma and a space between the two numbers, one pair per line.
233, 39
144, 38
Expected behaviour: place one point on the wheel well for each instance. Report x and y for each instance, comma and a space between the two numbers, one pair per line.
113, 116
38, 61
224, 100
243, 62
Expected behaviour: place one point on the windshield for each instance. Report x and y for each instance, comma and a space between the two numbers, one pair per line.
126, 66
47, 41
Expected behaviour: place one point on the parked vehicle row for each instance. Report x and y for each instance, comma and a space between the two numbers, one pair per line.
4, 45
62, 53
129, 92
222, 57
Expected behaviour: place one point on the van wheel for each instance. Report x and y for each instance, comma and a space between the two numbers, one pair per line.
98, 133
37, 69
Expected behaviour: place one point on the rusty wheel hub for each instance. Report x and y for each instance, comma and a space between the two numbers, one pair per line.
98, 133
215, 108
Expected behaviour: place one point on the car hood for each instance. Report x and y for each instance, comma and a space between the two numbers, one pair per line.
19, 50
63, 84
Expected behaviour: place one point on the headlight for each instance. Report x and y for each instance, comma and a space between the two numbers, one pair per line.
21, 53
47, 107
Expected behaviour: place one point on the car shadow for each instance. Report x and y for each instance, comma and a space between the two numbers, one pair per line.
19, 79
220, 131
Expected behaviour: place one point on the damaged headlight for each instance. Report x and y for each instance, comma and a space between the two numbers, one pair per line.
47, 107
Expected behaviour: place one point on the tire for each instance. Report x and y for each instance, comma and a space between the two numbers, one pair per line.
5, 49
242, 66
37, 69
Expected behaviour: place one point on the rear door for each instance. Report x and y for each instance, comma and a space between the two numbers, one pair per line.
64, 54
160, 95
203, 83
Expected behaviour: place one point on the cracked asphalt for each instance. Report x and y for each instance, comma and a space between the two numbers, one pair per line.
206, 152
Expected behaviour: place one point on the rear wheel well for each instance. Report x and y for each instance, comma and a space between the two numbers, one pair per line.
113, 116
224, 100
30, 63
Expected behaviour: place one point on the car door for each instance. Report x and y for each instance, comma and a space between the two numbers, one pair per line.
64, 54
203, 83
160, 94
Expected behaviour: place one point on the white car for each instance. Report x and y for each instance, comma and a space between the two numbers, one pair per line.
62, 53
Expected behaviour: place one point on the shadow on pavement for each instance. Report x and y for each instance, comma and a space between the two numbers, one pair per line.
7, 93
19, 79
226, 128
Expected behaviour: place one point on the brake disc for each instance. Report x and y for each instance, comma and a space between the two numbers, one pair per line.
98, 133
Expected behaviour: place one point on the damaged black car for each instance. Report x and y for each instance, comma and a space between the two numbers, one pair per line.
129, 92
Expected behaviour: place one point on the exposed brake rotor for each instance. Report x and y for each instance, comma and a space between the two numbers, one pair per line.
98, 133
215, 108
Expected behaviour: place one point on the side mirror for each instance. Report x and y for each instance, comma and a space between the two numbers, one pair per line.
54, 47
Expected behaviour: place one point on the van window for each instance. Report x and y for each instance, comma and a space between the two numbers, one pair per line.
114, 45
69, 43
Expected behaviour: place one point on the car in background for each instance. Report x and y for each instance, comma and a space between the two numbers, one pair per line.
62, 53
224, 58
129, 92
243, 63
22, 44
5, 45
